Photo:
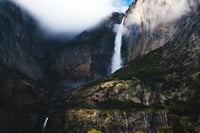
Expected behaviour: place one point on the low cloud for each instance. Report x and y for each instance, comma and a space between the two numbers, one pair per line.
68, 16
154, 12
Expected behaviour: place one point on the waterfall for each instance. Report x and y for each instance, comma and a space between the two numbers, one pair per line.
45, 124
117, 59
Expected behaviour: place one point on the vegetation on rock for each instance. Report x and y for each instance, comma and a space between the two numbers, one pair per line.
94, 131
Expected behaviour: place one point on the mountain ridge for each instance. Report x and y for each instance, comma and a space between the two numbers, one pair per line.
154, 92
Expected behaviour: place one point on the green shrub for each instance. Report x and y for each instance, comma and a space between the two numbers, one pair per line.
139, 131
94, 131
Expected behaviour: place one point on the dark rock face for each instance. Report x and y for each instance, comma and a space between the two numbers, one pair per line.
148, 94
88, 56
16, 37
29, 61
23, 103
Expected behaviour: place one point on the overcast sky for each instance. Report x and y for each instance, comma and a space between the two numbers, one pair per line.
71, 16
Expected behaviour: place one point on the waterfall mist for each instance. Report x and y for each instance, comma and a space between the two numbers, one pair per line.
155, 12
117, 59
68, 17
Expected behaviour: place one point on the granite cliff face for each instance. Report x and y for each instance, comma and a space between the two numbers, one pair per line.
154, 23
16, 37
156, 91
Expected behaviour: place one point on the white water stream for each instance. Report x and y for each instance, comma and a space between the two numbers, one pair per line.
45, 124
117, 62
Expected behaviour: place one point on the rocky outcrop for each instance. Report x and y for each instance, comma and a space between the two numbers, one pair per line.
114, 121
121, 90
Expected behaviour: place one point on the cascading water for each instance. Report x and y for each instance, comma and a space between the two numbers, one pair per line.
45, 124
117, 59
